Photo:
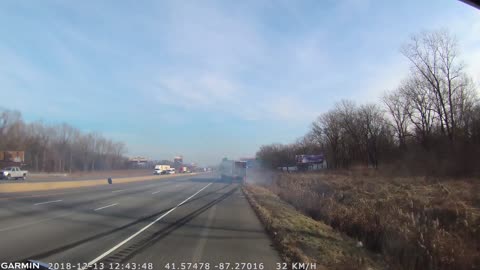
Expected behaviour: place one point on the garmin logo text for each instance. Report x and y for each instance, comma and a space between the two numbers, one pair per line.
19, 265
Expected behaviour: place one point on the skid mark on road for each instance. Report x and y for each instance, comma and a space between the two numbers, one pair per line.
197, 254
33, 222
51, 252
108, 252
149, 239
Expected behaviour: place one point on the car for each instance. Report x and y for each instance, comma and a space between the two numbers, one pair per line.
13, 173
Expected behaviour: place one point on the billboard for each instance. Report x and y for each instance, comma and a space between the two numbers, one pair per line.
178, 162
12, 156
309, 159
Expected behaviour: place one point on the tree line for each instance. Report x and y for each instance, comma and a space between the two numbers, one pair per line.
429, 123
59, 148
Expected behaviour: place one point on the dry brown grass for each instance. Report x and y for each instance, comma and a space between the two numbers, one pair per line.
304, 240
415, 222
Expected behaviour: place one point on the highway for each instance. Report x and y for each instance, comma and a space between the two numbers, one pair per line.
188, 219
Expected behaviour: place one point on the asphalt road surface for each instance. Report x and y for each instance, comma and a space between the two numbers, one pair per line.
143, 225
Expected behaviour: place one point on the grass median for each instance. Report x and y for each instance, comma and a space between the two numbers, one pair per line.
304, 240
55, 185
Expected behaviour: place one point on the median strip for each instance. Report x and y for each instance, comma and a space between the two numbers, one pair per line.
41, 186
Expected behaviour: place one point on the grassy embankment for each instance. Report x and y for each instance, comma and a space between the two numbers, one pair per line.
414, 222
303, 240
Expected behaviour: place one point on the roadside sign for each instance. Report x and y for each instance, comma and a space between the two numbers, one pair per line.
309, 159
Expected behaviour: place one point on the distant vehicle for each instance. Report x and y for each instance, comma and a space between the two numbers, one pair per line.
233, 170
171, 171
161, 169
185, 170
160, 172
13, 173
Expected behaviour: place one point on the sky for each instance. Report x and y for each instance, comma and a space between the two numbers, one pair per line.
210, 79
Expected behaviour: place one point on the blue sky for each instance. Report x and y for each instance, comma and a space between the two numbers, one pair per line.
209, 79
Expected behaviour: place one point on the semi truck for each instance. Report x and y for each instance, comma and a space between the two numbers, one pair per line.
233, 170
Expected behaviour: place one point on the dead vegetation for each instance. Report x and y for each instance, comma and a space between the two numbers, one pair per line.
415, 222
304, 240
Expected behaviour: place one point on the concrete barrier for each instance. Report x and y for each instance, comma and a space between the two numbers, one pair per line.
40, 186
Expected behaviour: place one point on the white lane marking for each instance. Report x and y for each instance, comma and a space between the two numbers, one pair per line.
48, 202
34, 222
106, 253
156, 192
120, 190
100, 208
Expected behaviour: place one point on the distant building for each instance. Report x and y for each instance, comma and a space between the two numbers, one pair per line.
178, 162
192, 167
138, 162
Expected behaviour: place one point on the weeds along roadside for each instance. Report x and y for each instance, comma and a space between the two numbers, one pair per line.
415, 223
300, 239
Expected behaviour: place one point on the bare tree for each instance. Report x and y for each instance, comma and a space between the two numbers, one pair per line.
435, 61
436, 105
373, 127
58, 147
420, 107
328, 130
398, 106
